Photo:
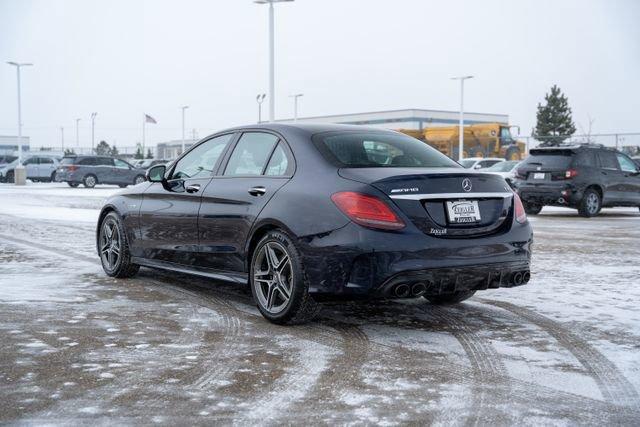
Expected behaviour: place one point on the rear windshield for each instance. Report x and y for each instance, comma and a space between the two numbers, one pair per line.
67, 160
378, 149
560, 159
467, 163
502, 166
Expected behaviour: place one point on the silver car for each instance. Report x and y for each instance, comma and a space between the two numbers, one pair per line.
39, 167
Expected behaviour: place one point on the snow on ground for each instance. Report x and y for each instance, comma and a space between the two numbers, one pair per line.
79, 347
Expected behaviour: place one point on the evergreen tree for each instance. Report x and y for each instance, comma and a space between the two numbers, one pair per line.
149, 154
138, 154
103, 149
69, 152
553, 120
114, 151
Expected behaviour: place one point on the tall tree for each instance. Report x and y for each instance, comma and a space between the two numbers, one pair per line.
103, 149
553, 119
149, 154
114, 151
138, 154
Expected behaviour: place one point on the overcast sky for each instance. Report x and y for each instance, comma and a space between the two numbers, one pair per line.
121, 58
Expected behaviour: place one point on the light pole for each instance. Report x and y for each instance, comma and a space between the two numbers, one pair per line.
93, 128
183, 108
78, 133
461, 129
62, 138
19, 176
260, 99
272, 95
295, 97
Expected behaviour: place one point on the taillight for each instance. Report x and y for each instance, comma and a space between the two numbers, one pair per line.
571, 173
72, 168
520, 214
368, 211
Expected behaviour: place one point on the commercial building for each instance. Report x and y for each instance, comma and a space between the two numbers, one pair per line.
9, 144
412, 118
171, 149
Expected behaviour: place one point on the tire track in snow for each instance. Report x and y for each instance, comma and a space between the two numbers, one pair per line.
613, 385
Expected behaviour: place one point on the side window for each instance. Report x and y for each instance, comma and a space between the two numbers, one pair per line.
121, 164
251, 154
626, 164
199, 162
46, 161
31, 161
586, 159
87, 161
279, 164
608, 160
104, 161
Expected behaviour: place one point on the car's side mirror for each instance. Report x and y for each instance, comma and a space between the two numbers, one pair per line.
477, 167
156, 173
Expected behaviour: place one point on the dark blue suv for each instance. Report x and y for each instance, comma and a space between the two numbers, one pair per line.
92, 170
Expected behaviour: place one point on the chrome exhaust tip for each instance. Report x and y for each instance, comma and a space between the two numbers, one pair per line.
561, 201
526, 276
402, 291
418, 289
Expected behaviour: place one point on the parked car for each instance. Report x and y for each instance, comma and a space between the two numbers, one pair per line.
147, 163
480, 162
506, 169
586, 177
92, 170
636, 159
301, 211
6, 159
38, 167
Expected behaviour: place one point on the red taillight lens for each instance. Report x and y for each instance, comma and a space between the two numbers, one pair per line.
72, 168
368, 211
571, 173
520, 214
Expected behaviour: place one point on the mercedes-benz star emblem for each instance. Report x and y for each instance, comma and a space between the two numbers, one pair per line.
466, 184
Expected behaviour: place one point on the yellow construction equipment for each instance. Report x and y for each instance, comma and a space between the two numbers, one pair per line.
480, 140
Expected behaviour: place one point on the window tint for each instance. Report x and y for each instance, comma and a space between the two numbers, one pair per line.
31, 161
587, 159
487, 163
467, 163
626, 164
379, 149
46, 160
608, 160
87, 161
549, 158
104, 161
68, 161
279, 163
200, 162
120, 164
251, 154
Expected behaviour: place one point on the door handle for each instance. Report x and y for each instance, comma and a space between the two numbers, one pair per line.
193, 188
257, 191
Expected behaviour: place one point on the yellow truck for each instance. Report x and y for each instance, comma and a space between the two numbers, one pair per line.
480, 140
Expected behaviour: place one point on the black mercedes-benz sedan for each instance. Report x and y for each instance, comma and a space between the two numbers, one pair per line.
306, 212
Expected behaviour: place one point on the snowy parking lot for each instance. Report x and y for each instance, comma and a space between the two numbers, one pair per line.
79, 347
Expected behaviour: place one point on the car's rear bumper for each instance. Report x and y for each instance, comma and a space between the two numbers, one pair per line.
64, 176
357, 261
556, 194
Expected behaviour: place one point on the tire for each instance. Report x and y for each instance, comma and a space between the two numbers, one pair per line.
139, 179
276, 251
113, 248
532, 209
9, 178
53, 176
73, 184
590, 204
122, 185
89, 181
513, 153
452, 298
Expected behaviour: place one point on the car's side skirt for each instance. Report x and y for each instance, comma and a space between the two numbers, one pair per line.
227, 276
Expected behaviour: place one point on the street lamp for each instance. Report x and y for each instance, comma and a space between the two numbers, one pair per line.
77, 133
93, 128
260, 99
19, 176
183, 108
272, 95
295, 105
461, 129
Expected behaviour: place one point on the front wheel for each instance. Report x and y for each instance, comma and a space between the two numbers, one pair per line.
532, 209
113, 248
90, 181
278, 282
590, 204
452, 298
139, 180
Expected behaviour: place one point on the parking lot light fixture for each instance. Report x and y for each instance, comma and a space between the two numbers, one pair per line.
295, 97
260, 99
272, 97
93, 128
183, 108
461, 124
19, 177
77, 132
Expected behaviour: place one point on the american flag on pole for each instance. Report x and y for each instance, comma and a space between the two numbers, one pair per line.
149, 119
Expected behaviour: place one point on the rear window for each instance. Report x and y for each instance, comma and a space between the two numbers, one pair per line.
68, 160
550, 159
378, 149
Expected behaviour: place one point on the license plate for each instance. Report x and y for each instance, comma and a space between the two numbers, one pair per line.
538, 175
463, 211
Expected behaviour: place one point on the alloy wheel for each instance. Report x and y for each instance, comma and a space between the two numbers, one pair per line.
110, 244
592, 203
139, 180
90, 181
273, 277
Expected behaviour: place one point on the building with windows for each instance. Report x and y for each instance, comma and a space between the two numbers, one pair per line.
412, 118
9, 144
170, 150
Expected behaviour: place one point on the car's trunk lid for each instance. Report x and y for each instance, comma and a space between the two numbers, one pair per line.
436, 200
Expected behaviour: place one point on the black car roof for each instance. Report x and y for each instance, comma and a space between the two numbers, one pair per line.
310, 128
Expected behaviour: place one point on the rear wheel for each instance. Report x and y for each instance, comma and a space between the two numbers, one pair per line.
452, 298
532, 209
10, 177
114, 248
278, 282
513, 153
90, 181
139, 180
53, 176
590, 204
